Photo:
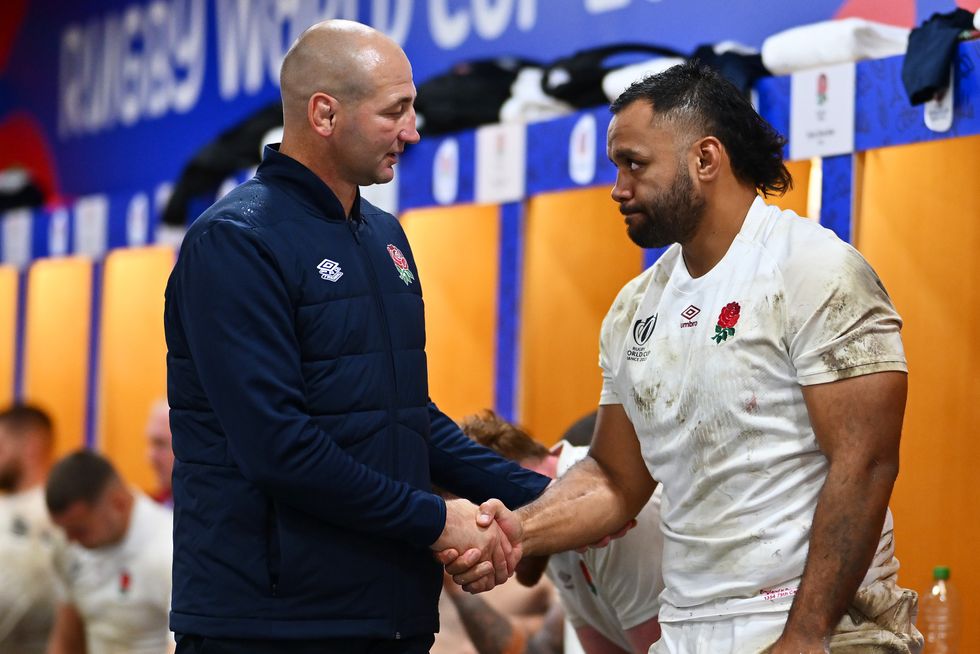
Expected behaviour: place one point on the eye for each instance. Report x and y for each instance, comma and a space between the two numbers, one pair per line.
633, 165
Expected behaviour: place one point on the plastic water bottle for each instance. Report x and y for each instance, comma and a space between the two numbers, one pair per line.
939, 615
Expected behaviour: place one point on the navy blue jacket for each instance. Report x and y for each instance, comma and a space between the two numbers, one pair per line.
305, 441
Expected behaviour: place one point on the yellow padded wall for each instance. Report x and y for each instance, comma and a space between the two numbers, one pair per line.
918, 223
577, 257
133, 356
456, 250
8, 331
56, 348
796, 198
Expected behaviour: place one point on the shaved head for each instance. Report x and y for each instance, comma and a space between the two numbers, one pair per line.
336, 57
348, 105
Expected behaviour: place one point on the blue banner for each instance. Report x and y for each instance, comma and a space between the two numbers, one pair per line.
121, 93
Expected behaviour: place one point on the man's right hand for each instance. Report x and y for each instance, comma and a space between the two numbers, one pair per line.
487, 554
465, 569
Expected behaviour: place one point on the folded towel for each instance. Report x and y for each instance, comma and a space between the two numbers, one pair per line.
617, 81
528, 103
831, 42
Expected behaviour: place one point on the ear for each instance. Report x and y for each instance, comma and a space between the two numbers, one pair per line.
709, 155
321, 112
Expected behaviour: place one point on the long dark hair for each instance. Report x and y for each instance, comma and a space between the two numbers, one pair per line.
698, 96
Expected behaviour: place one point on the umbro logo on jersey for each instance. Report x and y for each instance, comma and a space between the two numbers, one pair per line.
330, 270
688, 315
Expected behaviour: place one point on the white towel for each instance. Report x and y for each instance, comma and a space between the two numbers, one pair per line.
617, 81
831, 42
528, 103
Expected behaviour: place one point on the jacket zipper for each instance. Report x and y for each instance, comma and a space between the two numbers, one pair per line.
376, 292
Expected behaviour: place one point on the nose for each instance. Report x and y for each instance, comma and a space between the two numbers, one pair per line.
410, 134
620, 191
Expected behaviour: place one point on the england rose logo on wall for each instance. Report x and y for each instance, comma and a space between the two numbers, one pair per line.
401, 264
726, 322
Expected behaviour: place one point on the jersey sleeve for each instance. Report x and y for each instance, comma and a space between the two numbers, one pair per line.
612, 336
840, 320
627, 572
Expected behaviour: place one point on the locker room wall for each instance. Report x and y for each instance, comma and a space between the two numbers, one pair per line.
8, 333
132, 362
455, 250
577, 257
918, 223
56, 347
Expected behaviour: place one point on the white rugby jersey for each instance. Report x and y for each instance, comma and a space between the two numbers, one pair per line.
28, 543
710, 370
122, 592
612, 588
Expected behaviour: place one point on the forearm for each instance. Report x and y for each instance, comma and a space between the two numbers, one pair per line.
583, 506
490, 631
68, 633
477, 473
843, 540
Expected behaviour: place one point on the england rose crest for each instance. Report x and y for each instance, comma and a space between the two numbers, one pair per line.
726, 322
401, 264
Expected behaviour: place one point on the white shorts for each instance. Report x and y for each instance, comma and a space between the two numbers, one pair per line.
739, 634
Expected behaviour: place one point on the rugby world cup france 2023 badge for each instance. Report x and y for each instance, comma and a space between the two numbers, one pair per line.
401, 264
641, 333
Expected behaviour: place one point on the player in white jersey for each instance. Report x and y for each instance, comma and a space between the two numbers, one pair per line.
609, 594
757, 372
115, 574
28, 540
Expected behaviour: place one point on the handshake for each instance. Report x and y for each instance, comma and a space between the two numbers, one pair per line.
481, 546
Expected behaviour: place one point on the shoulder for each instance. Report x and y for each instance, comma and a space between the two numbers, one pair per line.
802, 247
629, 297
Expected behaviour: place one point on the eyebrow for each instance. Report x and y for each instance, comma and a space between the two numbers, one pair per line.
624, 153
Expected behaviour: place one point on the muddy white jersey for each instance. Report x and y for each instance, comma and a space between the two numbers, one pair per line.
28, 543
710, 372
612, 588
122, 592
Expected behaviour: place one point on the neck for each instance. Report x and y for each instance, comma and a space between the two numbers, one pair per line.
32, 477
128, 502
320, 165
720, 225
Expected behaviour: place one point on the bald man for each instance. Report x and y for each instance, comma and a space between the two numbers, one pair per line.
160, 451
305, 440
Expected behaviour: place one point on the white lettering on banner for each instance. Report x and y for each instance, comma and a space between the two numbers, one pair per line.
600, 6
122, 68
254, 36
489, 18
393, 23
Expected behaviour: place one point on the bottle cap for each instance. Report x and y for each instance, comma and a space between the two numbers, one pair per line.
940, 572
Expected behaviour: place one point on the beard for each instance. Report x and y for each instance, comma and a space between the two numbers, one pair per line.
671, 217
10, 476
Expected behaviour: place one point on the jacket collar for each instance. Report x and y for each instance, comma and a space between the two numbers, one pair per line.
303, 185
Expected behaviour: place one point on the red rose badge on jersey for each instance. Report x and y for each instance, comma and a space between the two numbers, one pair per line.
726, 322
401, 264
125, 581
